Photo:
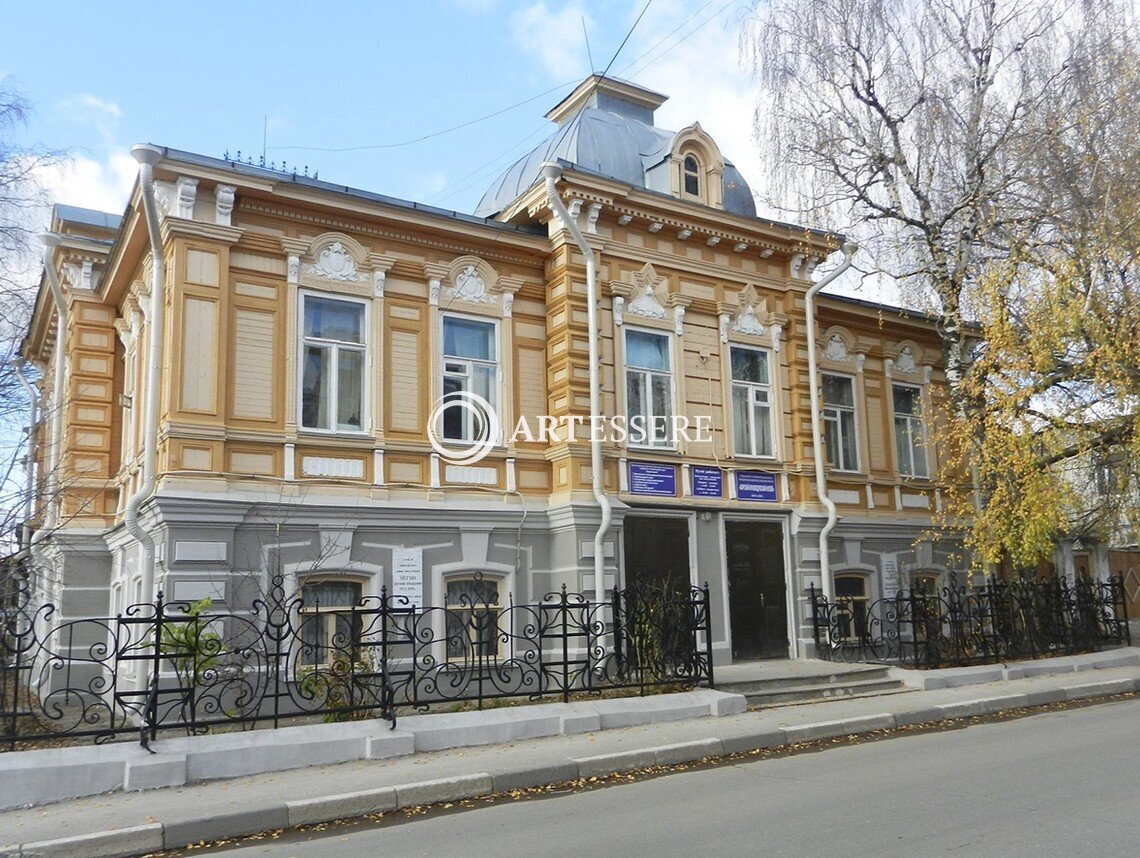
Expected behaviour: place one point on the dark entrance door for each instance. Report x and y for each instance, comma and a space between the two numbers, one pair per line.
757, 593
657, 552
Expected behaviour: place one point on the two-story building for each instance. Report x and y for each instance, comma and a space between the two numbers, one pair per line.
248, 363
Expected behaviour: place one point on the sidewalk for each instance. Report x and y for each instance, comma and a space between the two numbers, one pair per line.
128, 823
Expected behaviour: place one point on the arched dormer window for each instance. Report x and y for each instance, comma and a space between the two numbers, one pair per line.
692, 176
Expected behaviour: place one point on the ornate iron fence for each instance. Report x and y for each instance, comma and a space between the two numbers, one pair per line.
284, 658
1001, 620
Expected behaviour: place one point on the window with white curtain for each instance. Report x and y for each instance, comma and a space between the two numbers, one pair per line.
751, 402
910, 439
648, 389
332, 364
839, 437
470, 365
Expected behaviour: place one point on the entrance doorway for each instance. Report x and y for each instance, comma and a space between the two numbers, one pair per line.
757, 591
657, 552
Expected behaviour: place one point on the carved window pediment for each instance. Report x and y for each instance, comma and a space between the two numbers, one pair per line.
645, 298
334, 258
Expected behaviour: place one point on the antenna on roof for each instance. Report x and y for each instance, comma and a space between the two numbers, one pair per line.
589, 54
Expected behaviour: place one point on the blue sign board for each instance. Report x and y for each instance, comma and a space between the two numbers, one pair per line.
708, 482
755, 486
658, 480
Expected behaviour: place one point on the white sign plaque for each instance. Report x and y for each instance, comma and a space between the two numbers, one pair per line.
408, 575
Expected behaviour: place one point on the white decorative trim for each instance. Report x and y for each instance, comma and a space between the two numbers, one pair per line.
765, 253
725, 318
683, 235
574, 209
860, 359
619, 307
508, 304
186, 191
645, 303
434, 288
290, 462
470, 475
293, 267
592, 214
747, 323
927, 374
679, 320
655, 226
379, 278
870, 496
434, 469
740, 247
777, 337
223, 204
469, 285
795, 264
624, 219
377, 467
844, 496
905, 362
809, 268
713, 241
888, 367
327, 466
334, 262
512, 479
836, 349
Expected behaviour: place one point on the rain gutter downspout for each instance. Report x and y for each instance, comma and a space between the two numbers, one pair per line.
827, 584
147, 156
552, 173
52, 508
30, 456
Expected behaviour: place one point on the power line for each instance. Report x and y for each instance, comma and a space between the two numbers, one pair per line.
420, 139
679, 41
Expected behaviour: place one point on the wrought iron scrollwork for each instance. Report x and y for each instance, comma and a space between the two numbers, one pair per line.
285, 659
957, 625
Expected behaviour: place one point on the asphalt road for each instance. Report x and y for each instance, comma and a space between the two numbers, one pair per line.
1063, 783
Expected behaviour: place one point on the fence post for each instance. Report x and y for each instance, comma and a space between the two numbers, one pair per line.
151, 716
1118, 591
619, 650
564, 610
814, 618
708, 633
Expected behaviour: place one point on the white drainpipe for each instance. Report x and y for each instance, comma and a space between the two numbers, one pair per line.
147, 156
30, 460
849, 248
552, 173
50, 242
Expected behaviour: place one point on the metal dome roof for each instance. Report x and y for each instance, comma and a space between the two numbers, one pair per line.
606, 127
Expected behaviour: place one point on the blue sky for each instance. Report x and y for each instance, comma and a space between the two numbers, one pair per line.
204, 76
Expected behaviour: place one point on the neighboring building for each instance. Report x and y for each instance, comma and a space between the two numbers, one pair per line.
310, 328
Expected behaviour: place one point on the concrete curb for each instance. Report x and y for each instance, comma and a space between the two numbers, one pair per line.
158, 836
39, 777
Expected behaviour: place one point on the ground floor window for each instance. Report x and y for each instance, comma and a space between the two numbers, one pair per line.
473, 607
853, 604
330, 630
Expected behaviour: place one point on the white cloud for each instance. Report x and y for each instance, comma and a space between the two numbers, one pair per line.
87, 182
83, 100
554, 38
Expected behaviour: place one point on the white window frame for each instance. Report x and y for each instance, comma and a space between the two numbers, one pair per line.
854, 409
364, 348
496, 385
669, 442
916, 441
753, 387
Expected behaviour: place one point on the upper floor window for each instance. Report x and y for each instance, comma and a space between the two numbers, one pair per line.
751, 402
910, 441
470, 365
691, 174
839, 422
648, 388
332, 364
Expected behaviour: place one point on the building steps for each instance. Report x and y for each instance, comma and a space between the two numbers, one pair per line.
779, 691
